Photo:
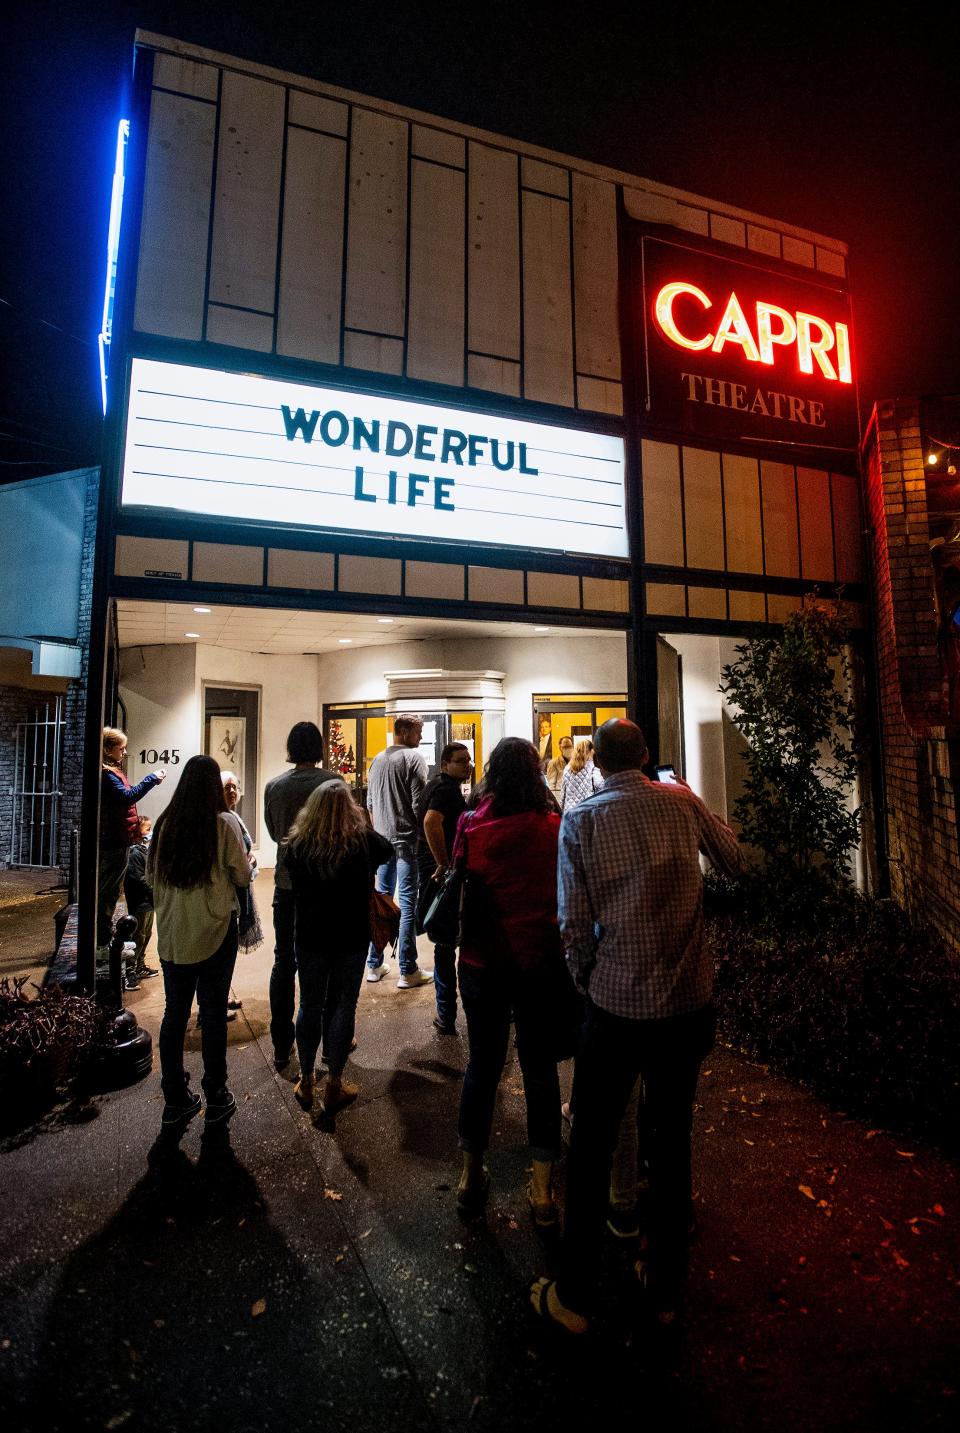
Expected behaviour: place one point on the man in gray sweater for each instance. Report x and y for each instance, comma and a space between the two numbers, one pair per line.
397, 778
282, 799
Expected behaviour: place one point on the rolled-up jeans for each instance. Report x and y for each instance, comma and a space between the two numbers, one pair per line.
400, 873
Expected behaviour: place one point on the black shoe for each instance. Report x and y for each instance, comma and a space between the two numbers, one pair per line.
444, 1029
281, 1061
182, 1111
146, 972
623, 1223
130, 982
220, 1106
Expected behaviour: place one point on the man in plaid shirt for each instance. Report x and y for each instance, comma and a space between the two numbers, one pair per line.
631, 915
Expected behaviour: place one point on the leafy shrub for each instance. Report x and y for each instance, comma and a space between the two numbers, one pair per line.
847, 994
43, 1044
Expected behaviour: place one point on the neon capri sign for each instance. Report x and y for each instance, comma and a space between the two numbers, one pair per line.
821, 347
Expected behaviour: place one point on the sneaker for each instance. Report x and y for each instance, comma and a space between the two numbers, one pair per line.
623, 1223
377, 972
146, 972
220, 1106
414, 978
131, 982
177, 1112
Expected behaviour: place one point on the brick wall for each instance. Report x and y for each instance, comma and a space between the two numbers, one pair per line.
921, 751
17, 704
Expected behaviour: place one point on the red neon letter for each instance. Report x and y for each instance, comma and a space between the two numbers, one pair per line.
843, 354
809, 348
735, 329
765, 334
663, 309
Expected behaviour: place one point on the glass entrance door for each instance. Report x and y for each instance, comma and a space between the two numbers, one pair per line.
571, 714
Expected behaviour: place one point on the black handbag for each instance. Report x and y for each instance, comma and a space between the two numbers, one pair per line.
441, 920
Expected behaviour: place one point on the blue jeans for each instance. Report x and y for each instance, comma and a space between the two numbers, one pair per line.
283, 976
209, 980
445, 983
329, 990
400, 872
490, 995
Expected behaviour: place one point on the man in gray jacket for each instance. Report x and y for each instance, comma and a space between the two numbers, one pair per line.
282, 799
397, 778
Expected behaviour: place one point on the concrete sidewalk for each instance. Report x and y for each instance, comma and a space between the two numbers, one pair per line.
299, 1275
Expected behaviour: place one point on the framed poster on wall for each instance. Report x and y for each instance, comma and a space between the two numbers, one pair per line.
231, 735
228, 742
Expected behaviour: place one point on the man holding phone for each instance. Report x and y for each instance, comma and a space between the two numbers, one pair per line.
631, 915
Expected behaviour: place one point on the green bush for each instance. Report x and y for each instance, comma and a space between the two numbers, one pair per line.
844, 993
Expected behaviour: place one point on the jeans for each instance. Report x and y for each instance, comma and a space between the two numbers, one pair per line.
209, 980
400, 872
329, 990
445, 983
144, 918
111, 869
283, 976
613, 1052
489, 996
629, 1168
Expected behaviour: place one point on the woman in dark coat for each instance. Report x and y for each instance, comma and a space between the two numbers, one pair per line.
331, 857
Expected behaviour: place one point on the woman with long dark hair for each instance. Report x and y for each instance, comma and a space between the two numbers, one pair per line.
511, 960
331, 856
197, 860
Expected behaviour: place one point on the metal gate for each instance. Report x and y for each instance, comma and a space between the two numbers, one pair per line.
36, 787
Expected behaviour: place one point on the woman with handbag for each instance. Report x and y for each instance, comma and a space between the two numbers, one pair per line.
196, 863
511, 964
332, 855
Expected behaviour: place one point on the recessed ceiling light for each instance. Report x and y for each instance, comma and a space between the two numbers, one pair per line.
191, 634
386, 621
203, 609
344, 641
541, 629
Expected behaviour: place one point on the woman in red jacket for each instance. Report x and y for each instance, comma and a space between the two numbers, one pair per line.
511, 959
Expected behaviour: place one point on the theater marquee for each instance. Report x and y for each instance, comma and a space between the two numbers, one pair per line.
733, 350
269, 450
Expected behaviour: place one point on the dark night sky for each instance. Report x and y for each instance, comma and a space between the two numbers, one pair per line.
839, 118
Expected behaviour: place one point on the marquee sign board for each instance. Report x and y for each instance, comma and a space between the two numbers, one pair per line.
734, 350
269, 450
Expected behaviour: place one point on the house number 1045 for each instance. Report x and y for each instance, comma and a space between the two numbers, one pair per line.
149, 756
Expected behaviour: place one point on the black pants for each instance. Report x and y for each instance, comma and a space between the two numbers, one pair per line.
283, 976
489, 995
209, 980
613, 1052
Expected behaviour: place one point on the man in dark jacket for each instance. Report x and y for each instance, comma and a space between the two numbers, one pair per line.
282, 799
119, 828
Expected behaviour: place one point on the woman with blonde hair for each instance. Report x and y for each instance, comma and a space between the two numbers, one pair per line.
331, 856
119, 827
581, 778
559, 764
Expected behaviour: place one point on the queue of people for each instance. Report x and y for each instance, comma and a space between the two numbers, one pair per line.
582, 932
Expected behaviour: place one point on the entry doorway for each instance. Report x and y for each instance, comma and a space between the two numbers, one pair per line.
572, 714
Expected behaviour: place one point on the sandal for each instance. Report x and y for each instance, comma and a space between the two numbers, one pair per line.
573, 1323
472, 1200
544, 1216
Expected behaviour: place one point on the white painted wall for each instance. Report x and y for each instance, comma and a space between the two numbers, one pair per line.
158, 686
703, 713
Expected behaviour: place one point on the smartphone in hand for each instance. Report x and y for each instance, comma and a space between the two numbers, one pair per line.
667, 775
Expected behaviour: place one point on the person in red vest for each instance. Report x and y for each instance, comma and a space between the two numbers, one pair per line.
119, 828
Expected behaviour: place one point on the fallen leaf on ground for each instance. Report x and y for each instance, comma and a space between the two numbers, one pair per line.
905, 1153
260, 1307
938, 1209
748, 1141
332, 1194
899, 1260
872, 1133
806, 1191
118, 1419
885, 1222
338, 1259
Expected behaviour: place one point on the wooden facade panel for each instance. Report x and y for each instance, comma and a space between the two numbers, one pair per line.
493, 375
547, 308
744, 523
816, 529
317, 112
595, 277
239, 328
493, 247
311, 261
243, 262
663, 599
436, 314
438, 145
172, 270
781, 541
747, 606
707, 603
553, 589
597, 395
311, 571
662, 504
847, 524
703, 508
227, 562
377, 229
441, 581
548, 178
187, 77
370, 351
495, 584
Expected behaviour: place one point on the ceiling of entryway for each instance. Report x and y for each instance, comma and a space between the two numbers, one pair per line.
279, 630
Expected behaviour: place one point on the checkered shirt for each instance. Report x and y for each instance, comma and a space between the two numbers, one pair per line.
631, 895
